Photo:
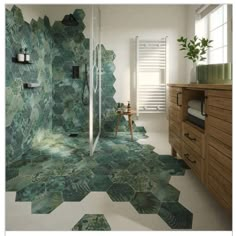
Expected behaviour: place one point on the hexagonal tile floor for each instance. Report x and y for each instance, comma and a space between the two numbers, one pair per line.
92, 222
59, 169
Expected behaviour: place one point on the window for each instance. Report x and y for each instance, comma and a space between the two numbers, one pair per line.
218, 33
214, 24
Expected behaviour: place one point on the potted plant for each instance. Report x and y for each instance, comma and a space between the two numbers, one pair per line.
196, 50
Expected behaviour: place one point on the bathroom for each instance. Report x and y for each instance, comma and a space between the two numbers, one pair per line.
79, 154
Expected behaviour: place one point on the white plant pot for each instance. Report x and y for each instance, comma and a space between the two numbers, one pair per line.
193, 74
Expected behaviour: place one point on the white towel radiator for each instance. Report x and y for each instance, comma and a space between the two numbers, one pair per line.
151, 73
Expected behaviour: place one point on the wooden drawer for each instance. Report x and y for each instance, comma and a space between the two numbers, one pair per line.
194, 138
220, 102
193, 160
175, 112
220, 135
220, 113
175, 127
175, 142
173, 91
175, 96
220, 186
218, 145
175, 101
220, 162
224, 126
218, 93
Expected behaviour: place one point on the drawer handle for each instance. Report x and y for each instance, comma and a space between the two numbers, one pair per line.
177, 99
187, 157
187, 135
202, 102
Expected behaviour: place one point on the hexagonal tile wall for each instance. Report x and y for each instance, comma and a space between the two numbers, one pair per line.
92, 222
27, 110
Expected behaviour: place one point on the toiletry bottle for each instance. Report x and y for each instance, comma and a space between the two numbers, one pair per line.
129, 107
118, 107
27, 56
21, 56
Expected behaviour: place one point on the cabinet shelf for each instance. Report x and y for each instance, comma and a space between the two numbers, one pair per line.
14, 59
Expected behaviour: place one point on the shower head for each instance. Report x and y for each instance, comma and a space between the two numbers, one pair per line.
69, 20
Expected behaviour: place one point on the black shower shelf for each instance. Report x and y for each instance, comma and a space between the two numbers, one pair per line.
14, 59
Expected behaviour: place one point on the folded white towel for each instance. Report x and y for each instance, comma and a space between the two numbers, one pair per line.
196, 113
196, 104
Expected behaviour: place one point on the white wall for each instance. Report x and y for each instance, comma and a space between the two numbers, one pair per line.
120, 25
53, 12
191, 13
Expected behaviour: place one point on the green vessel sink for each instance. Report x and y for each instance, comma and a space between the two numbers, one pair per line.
215, 74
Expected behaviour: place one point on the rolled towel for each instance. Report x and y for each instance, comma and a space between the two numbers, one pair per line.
196, 104
196, 113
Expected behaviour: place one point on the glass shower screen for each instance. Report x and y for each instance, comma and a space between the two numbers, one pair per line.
95, 79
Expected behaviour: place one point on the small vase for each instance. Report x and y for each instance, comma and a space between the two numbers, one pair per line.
193, 75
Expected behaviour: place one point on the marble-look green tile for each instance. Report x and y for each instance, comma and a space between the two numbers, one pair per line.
120, 176
41, 158
19, 163
56, 184
121, 192
141, 183
30, 192
176, 215
27, 111
11, 173
75, 190
92, 222
105, 169
47, 203
146, 203
100, 183
166, 192
17, 183
173, 165
30, 169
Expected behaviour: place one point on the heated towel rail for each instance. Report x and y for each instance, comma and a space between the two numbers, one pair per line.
151, 58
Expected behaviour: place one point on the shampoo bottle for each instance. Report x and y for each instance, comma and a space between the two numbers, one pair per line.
21, 56
27, 56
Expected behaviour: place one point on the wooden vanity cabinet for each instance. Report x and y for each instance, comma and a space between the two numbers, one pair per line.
208, 151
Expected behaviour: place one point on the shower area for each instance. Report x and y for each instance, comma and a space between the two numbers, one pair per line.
57, 94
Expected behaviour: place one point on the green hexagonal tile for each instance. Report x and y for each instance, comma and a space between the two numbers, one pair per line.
173, 165
146, 203
30, 169
100, 183
176, 215
56, 184
75, 189
11, 173
166, 192
92, 222
30, 192
104, 169
18, 183
47, 203
120, 192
